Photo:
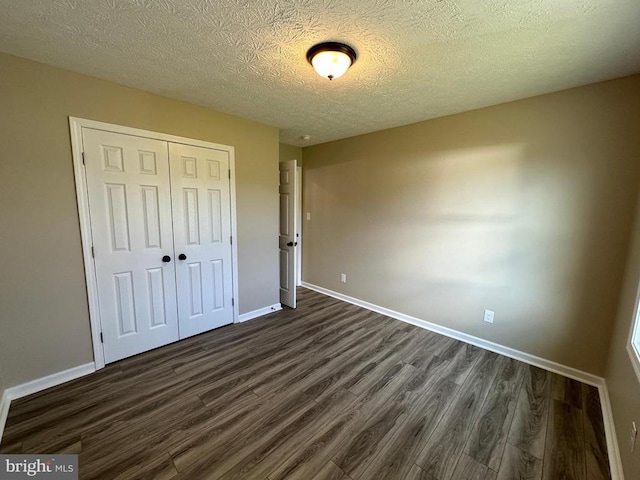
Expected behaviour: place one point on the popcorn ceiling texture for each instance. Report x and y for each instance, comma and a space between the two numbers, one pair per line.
418, 59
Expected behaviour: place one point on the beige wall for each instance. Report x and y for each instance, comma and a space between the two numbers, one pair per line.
524, 208
290, 152
43, 307
624, 385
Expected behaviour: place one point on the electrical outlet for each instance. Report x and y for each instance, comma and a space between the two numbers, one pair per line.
343, 277
488, 316
308, 215
633, 437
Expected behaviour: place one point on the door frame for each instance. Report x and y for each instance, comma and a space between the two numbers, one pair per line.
75, 125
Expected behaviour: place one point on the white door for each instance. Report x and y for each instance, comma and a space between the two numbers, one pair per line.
287, 236
299, 226
200, 191
130, 208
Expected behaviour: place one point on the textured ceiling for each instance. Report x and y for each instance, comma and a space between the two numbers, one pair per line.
417, 59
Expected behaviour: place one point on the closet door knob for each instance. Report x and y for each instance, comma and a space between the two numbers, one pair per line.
182, 256
166, 259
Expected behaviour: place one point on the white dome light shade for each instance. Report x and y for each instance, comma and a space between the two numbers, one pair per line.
331, 60
331, 64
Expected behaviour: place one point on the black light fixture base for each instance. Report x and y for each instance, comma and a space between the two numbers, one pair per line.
332, 47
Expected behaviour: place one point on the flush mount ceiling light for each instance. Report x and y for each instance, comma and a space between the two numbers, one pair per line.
331, 59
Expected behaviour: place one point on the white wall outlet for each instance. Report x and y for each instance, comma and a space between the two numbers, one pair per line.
633, 436
343, 277
308, 215
488, 316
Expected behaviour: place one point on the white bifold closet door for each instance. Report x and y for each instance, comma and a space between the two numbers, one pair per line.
160, 223
202, 236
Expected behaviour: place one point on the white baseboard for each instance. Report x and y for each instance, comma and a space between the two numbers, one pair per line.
588, 378
49, 381
564, 370
615, 462
4, 411
38, 385
260, 312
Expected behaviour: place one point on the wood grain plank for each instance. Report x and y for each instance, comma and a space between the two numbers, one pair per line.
360, 428
564, 457
214, 452
529, 427
399, 451
31, 414
566, 390
428, 345
370, 429
470, 469
520, 465
596, 454
311, 372
425, 375
11, 448
415, 473
440, 455
129, 398
158, 429
460, 365
359, 450
315, 451
489, 436
330, 472
268, 455
135, 464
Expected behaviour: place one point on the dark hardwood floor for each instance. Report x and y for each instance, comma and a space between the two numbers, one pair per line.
326, 391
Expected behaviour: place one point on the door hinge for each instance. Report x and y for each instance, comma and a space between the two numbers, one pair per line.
83, 161
231, 240
229, 174
101, 338
93, 252
233, 302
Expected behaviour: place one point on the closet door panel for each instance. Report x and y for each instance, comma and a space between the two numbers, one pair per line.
132, 231
202, 236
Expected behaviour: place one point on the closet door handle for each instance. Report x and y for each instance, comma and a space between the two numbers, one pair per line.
182, 256
166, 259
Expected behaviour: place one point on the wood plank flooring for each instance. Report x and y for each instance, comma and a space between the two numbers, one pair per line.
328, 391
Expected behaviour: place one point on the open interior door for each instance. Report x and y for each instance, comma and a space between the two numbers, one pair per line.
287, 236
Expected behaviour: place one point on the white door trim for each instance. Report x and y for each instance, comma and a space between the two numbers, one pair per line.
76, 125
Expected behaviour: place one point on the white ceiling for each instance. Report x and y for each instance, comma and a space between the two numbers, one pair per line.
418, 59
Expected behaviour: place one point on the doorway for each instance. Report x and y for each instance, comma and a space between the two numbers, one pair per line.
289, 238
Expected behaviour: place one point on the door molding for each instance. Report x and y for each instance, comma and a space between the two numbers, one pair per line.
82, 197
